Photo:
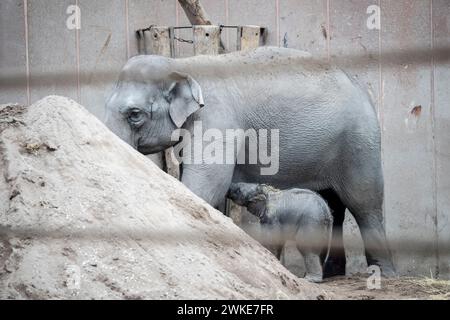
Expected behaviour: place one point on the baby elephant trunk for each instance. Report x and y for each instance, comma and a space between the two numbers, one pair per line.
243, 193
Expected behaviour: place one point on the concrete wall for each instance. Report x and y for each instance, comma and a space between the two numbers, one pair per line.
39, 55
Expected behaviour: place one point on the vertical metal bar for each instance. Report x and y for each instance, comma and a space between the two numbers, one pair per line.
77, 46
172, 42
127, 29
433, 141
238, 38
27, 50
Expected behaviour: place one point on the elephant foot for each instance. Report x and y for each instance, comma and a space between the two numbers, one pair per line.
314, 278
334, 267
387, 271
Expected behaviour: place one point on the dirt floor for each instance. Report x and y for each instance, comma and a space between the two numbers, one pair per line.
402, 288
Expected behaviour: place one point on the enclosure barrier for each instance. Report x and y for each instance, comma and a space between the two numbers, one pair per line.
206, 39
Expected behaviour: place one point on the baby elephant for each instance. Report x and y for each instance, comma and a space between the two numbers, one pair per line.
295, 214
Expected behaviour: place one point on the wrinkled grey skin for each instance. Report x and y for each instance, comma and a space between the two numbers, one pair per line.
296, 214
329, 132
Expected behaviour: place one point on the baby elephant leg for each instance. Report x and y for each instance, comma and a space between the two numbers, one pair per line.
311, 241
314, 272
270, 238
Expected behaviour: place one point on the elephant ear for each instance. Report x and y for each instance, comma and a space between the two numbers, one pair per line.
185, 97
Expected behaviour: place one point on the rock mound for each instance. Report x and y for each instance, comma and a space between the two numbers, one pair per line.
83, 215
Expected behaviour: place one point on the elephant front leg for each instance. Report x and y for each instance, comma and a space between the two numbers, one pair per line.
313, 266
209, 182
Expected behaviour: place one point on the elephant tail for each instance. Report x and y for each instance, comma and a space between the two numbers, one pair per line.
330, 237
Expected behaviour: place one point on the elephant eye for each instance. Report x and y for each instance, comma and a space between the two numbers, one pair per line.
135, 116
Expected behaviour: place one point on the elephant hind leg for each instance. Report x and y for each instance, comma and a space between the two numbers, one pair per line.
310, 242
370, 222
313, 267
335, 264
364, 199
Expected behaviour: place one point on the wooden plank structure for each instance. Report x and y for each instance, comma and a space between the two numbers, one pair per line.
206, 40
248, 37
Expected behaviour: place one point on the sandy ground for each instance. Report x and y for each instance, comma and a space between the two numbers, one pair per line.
401, 288
84, 216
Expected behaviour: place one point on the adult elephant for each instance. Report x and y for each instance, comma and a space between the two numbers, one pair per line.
329, 137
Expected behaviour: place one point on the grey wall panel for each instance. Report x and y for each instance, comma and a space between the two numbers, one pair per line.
441, 19
407, 135
52, 50
13, 82
143, 13
353, 46
303, 26
216, 10
103, 50
260, 13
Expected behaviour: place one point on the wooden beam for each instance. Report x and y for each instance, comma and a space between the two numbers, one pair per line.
206, 40
195, 12
249, 37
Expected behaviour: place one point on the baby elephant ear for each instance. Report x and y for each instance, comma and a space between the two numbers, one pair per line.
185, 97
